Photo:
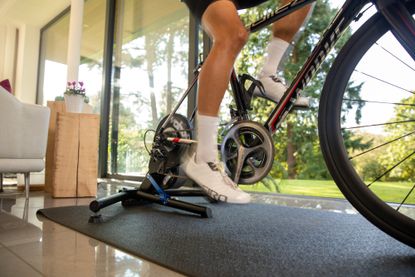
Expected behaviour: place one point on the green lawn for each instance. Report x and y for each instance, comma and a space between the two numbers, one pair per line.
388, 191
393, 191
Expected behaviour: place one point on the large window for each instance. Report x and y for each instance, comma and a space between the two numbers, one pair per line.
53, 55
150, 71
92, 48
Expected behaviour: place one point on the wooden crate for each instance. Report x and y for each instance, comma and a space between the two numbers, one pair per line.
55, 107
72, 163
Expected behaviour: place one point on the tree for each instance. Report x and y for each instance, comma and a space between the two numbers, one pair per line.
149, 53
403, 147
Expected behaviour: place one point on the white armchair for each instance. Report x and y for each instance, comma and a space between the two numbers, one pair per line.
23, 137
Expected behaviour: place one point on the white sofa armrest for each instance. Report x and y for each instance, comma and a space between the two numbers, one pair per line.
24, 128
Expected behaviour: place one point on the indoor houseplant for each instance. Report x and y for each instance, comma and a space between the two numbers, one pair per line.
74, 96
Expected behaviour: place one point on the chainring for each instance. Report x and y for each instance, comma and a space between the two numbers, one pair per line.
248, 152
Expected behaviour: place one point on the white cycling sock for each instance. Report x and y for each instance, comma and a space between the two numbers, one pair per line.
275, 51
207, 138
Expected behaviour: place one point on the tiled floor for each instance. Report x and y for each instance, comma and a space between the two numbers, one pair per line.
30, 247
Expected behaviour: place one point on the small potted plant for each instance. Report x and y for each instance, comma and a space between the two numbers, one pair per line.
74, 96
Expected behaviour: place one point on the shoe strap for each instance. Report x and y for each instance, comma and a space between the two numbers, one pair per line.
277, 79
218, 166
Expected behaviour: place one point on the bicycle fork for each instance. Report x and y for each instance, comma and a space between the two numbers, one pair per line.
401, 21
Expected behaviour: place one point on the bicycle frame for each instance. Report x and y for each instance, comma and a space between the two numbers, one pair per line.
393, 11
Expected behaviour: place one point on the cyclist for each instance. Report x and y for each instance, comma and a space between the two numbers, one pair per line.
221, 22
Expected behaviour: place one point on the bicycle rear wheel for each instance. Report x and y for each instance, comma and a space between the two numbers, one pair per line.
367, 128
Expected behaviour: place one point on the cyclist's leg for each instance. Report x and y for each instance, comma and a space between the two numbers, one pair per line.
287, 27
283, 32
221, 21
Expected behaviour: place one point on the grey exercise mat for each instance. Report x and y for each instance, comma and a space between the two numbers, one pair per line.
246, 240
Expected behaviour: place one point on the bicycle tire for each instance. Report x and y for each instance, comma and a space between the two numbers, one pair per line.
346, 174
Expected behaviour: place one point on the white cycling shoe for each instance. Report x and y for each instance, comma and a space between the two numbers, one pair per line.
275, 89
214, 181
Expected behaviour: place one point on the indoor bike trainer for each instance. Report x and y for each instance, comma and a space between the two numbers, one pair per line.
172, 139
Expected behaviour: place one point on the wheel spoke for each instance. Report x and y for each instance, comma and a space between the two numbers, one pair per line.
385, 82
409, 193
381, 145
378, 124
396, 57
390, 169
377, 102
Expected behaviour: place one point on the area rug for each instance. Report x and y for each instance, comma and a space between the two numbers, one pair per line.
246, 240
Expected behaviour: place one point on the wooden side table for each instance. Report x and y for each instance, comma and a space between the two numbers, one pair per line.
72, 155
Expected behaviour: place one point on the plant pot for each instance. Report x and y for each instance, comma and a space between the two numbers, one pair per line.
74, 103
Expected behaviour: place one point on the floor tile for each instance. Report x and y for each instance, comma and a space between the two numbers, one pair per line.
12, 266
14, 230
31, 247
47, 248
66, 251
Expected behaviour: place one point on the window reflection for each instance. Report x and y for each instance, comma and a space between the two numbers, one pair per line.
53, 53
149, 75
92, 50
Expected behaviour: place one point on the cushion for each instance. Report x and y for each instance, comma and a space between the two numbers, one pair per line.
6, 85
21, 165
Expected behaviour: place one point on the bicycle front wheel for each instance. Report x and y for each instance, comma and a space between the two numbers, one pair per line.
367, 128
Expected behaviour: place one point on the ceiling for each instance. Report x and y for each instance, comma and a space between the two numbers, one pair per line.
138, 18
32, 12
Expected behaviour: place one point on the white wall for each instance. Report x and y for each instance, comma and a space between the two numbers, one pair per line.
19, 59
8, 52
27, 63
28, 17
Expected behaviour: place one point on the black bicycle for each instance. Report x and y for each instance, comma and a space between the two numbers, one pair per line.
369, 94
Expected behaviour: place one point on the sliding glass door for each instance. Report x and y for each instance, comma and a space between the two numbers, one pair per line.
150, 71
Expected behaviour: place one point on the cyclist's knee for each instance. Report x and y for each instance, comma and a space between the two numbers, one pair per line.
233, 41
241, 38
285, 34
